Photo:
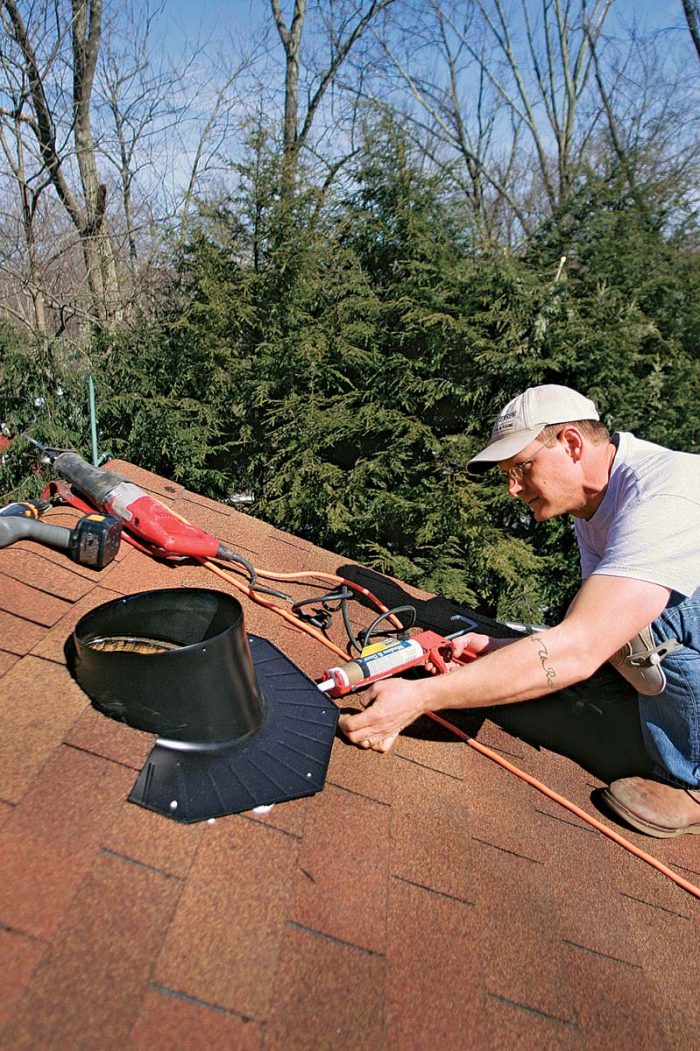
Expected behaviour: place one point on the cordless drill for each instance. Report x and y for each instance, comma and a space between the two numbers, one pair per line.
93, 542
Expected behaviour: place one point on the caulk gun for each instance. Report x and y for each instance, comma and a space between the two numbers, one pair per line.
140, 513
385, 660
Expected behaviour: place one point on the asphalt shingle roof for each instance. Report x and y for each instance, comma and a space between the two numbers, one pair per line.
424, 899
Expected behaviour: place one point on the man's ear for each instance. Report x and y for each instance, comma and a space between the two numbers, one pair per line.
573, 442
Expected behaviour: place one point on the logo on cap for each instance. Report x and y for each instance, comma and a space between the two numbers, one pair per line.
504, 422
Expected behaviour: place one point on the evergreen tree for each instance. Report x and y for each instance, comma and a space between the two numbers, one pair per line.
43, 394
626, 318
453, 337
343, 357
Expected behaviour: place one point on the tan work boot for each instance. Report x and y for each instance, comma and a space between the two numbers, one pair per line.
653, 807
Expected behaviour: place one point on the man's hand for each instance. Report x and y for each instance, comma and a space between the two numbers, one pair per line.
473, 641
391, 704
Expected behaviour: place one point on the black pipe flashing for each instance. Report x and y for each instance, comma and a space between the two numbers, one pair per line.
239, 724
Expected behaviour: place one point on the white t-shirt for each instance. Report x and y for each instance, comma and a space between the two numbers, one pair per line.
648, 524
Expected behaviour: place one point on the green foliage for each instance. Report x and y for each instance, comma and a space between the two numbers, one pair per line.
385, 348
627, 325
162, 402
343, 358
43, 393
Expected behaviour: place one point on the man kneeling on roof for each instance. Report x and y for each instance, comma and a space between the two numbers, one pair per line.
636, 507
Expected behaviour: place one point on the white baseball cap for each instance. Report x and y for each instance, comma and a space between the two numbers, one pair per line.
524, 417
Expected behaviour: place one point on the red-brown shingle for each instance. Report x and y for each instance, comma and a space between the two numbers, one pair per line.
29, 603
48, 844
40, 704
89, 989
425, 899
19, 957
434, 998
224, 940
17, 635
342, 871
328, 995
171, 1022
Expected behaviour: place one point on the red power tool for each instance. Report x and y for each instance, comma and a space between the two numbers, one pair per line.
388, 659
143, 515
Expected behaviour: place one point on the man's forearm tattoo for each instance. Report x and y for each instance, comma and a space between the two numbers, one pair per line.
543, 654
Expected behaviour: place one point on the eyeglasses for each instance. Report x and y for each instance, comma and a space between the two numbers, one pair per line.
516, 472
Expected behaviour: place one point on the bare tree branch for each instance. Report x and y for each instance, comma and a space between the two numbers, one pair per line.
295, 137
88, 216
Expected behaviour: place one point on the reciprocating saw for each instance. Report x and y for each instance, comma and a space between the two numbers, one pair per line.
384, 660
141, 514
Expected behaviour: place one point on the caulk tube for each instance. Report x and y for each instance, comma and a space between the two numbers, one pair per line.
389, 658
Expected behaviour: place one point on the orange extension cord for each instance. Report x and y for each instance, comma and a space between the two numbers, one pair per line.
684, 884
250, 593
563, 801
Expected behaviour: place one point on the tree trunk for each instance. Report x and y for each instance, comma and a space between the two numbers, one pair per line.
87, 217
691, 9
97, 247
295, 137
291, 41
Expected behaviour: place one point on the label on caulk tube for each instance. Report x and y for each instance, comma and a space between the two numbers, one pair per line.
384, 660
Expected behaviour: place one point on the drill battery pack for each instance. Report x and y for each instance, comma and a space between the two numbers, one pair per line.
95, 540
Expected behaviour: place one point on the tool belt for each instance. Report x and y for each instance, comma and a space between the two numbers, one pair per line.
639, 661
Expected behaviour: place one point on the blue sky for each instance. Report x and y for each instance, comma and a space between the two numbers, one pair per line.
187, 16
189, 21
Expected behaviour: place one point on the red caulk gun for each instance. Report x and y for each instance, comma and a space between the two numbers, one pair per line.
384, 660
